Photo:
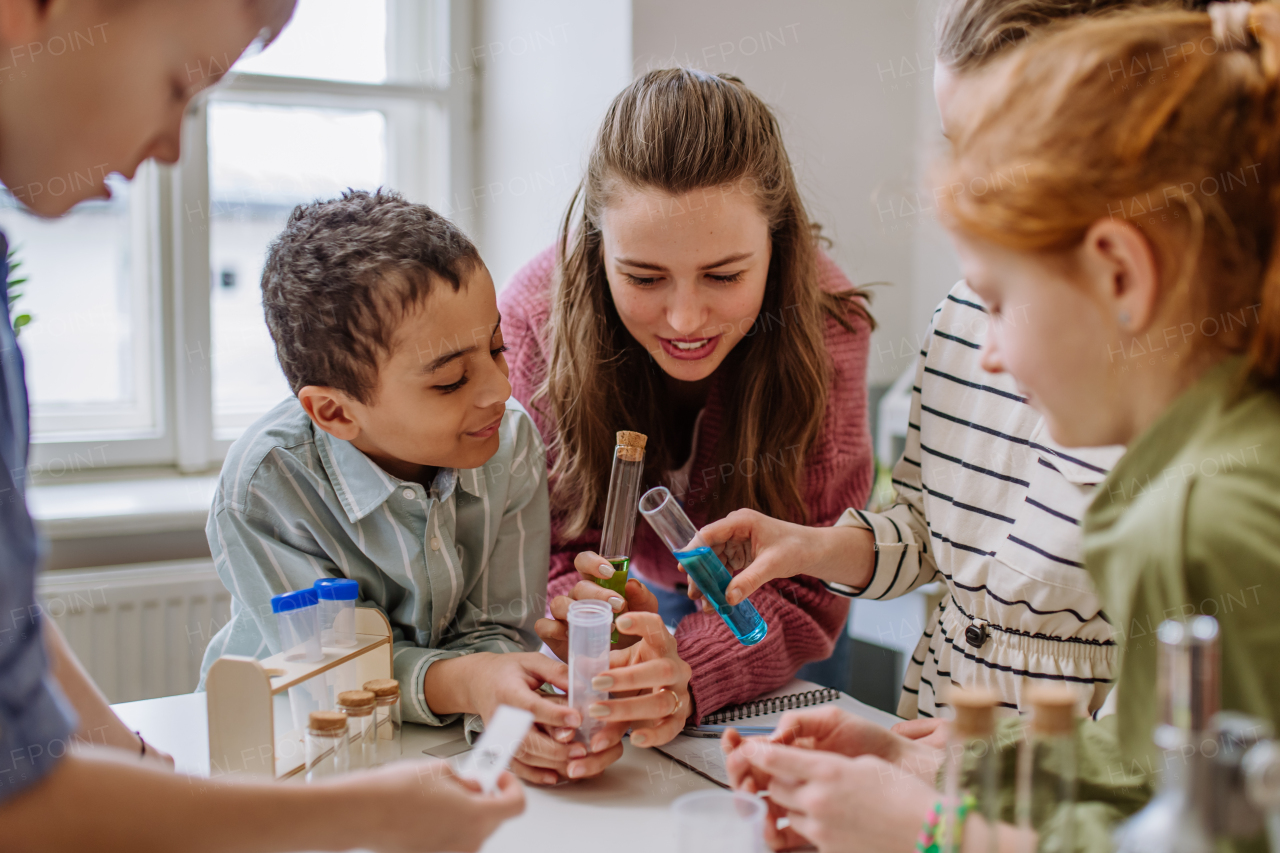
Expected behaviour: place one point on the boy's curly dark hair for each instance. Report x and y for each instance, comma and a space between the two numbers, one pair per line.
343, 273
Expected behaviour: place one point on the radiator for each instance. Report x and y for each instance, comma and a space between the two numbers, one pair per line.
140, 631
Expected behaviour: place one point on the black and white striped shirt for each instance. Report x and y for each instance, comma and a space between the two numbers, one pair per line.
987, 503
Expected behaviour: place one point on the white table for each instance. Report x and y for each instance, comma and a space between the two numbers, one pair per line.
624, 809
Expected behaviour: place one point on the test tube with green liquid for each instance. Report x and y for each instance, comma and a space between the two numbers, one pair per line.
620, 510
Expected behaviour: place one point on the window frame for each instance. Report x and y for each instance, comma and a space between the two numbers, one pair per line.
428, 109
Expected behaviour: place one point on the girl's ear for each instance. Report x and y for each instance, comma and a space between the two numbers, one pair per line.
331, 410
1123, 272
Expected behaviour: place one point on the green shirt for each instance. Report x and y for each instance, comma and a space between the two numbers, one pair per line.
1188, 522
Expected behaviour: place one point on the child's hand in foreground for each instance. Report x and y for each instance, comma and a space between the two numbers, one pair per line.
834, 802
927, 730
422, 805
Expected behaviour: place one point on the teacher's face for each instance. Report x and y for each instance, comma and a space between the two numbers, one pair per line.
687, 272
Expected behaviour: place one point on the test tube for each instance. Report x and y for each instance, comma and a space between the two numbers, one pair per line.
588, 657
299, 626
702, 565
337, 611
620, 510
389, 723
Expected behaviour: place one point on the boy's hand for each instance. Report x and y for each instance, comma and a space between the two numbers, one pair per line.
514, 679
760, 549
636, 597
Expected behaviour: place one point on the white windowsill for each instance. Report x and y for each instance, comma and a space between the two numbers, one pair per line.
121, 507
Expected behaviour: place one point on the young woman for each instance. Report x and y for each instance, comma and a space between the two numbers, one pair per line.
688, 299
1147, 211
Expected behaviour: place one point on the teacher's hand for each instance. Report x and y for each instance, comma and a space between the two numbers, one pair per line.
635, 597
649, 684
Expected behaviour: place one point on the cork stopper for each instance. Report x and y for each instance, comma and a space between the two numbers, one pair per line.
1053, 709
383, 687
631, 445
327, 721
357, 699
975, 712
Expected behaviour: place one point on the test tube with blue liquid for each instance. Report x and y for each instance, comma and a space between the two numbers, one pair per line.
704, 568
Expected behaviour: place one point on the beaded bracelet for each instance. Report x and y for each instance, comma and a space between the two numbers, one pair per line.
933, 835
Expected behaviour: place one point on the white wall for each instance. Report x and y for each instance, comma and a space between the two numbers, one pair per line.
547, 71
850, 127
850, 81
934, 265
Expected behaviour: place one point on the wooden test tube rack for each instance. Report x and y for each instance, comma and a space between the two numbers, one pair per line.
241, 697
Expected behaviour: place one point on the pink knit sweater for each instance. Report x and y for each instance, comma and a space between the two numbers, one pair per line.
804, 619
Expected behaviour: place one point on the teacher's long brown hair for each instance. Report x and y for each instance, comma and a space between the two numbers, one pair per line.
680, 130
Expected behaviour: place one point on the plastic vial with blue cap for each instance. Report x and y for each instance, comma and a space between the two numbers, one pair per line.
337, 611
701, 564
296, 614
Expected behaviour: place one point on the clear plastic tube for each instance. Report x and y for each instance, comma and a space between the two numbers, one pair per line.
298, 620
337, 611
701, 564
589, 622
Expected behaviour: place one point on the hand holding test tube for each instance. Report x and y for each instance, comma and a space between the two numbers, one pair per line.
704, 568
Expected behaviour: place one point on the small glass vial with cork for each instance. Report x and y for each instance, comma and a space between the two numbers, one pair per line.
1045, 785
359, 706
327, 753
973, 768
387, 720
620, 510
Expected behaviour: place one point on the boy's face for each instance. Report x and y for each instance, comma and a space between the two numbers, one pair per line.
442, 393
92, 89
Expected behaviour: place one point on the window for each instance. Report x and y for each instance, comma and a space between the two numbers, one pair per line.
257, 174
148, 345
91, 349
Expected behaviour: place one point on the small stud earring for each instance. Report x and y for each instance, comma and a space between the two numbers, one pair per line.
1123, 318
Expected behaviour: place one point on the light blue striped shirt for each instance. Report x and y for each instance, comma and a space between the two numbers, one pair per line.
457, 568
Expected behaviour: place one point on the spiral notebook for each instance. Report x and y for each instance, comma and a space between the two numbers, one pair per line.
703, 755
